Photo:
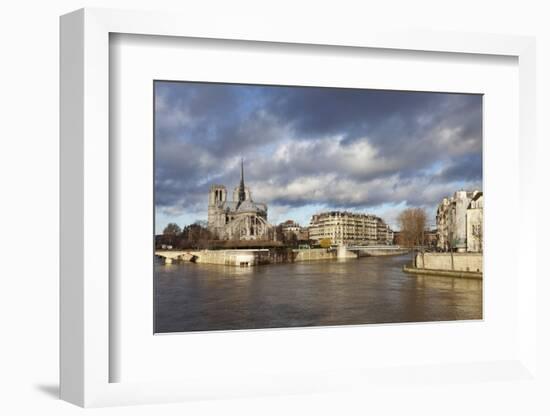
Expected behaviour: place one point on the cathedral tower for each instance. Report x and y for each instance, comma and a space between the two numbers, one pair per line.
241, 192
216, 202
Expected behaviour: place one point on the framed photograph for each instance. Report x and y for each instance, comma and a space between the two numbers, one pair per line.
244, 215
347, 192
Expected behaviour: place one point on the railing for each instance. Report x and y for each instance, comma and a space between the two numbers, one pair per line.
377, 247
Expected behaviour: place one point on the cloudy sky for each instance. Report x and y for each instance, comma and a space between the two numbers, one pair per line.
312, 149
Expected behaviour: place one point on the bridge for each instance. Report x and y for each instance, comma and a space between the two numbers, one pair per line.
235, 257
378, 250
169, 256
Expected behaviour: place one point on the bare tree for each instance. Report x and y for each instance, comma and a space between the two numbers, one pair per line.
477, 232
412, 222
172, 229
196, 236
170, 234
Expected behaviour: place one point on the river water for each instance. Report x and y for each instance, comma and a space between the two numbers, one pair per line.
202, 297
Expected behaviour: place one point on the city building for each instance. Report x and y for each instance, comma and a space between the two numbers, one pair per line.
292, 231
452, 220
442, 220
347, 228
290, 226
430, 238
385, 233
398, 238
240, 218
474, 221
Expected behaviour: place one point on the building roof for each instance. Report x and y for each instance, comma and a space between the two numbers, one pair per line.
478, 195
247, 206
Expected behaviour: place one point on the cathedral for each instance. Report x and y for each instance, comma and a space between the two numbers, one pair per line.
240, 218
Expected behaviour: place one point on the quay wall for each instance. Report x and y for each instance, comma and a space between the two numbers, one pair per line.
343, 253
465, 262
232, 257
310, 254
253, 257
281, 255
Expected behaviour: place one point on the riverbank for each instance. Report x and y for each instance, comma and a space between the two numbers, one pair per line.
444, 273
275, 255
461, 265
255, 257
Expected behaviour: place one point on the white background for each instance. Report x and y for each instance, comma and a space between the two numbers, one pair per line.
29, 208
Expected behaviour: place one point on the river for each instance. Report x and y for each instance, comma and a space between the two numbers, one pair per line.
202, 297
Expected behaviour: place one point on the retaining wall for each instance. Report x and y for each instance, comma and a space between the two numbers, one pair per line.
252, 257
314, 254
232, 257
466, 262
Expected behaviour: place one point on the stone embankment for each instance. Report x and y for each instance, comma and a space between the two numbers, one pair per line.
468, 265
253, 257
313, 254
241, 257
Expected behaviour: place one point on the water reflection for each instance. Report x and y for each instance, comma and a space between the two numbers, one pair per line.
193, 297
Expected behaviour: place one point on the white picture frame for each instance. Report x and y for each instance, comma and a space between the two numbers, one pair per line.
85, 211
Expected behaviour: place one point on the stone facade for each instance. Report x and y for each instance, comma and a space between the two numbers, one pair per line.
290, 226
474, 221
292, 229
452, 221
465, 262
349, 228
240, 218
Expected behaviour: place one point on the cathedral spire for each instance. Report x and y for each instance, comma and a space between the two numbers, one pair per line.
242, 193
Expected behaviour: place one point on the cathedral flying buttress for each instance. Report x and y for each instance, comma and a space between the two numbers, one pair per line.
238, 219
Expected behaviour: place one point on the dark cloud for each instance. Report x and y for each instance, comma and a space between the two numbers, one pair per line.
467, 168
332, 147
